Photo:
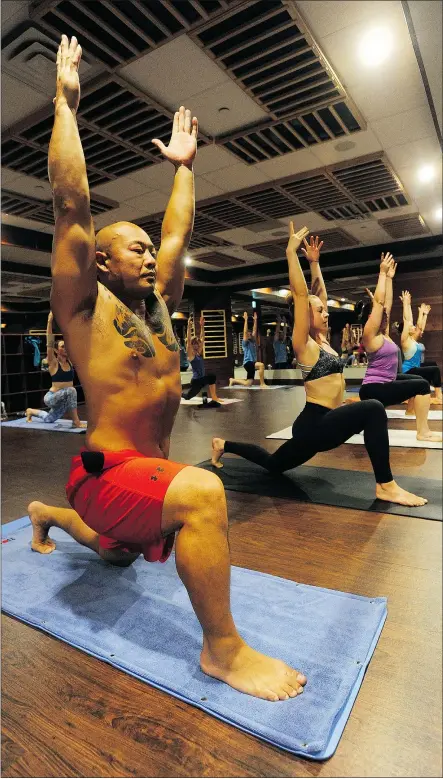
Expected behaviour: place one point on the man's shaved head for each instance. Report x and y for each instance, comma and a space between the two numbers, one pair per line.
105, 237
125, 260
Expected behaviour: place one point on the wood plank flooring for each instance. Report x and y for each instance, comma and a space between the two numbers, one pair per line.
69, 715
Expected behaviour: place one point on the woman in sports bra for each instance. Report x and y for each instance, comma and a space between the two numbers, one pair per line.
324, 422
381, 381
61, 399
413, 350
200, 378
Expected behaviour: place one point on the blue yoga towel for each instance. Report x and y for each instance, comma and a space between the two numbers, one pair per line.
140, 620
61, 426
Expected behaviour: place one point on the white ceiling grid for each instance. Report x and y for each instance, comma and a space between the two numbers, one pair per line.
291, 144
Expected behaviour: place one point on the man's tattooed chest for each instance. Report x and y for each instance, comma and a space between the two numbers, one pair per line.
137, 335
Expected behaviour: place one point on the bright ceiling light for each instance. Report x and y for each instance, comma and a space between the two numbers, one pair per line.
188, 261
375, 46
438, 214
282, 292
426, 173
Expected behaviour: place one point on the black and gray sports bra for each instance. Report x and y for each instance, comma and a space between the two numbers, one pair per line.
326, 365
63, 376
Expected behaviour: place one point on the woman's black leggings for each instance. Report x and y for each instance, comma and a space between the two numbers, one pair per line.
198, 384
319, 429
390, 393
429, 372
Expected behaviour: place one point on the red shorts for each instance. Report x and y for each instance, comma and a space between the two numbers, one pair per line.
123, 501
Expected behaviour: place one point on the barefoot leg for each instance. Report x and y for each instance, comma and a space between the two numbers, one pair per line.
393, 493
195, 505
217, 452
44, 517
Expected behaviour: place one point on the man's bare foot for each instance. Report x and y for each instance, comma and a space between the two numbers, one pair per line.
393, 493
28, 415
40, 527
429, 436
231, 381
255, 674
264, 386
79, 424
217, 452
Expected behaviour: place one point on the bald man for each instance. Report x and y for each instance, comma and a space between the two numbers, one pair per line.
113, 297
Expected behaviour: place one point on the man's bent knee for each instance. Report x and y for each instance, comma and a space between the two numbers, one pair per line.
193, 495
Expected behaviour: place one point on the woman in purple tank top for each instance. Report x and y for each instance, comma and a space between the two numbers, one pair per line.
382, 382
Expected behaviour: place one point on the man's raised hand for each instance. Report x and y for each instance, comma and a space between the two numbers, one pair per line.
182, 146
68, 60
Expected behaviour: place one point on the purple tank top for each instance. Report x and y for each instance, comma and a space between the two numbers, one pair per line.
382, 364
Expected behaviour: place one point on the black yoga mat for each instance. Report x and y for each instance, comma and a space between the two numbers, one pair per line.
327, 486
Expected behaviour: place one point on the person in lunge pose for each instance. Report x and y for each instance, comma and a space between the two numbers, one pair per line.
199, 379
324, 423
127, 497
413, 350
61, 399
250, 363
381, 381
281, 357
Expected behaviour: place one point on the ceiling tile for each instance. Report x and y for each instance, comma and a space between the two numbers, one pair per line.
405, 127
121, 189
8, 175
367, 231
12, 13
175, 72
240, 236
311, 219
424, 152
289, 164
325, 17
18, 100
242, 109
427, 20
204, 189
123, 214
154, 177
28, 185
364, 142
149, 203
211, 158
29, 224
416, 188
236, 177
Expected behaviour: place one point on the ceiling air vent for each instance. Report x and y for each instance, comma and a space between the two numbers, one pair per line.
153, 224
42, 210
269, 140
275, 250
336, 238
229, 213
367, 179
116, 32
404, 226
316, 193
271, 202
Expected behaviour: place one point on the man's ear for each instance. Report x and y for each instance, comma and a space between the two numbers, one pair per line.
101, 259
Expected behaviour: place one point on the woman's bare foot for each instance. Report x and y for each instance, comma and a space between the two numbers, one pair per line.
79, 424
217, 452
231, 381
429, 436
393, 493
255, 674
40, 527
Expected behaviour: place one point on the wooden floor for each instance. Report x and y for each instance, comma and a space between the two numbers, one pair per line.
69, 715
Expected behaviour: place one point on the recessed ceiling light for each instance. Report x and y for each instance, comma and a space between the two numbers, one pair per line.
188, 261
426, 173
282, 292
376, 46
438, 214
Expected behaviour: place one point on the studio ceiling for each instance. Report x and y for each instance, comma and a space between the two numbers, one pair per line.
293, 125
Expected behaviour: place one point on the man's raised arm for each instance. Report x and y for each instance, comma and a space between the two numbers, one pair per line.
74, 270
179, 216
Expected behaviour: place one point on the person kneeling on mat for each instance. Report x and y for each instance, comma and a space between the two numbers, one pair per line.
381, 381
250, 364
128, 498
413, 350
61, 399
324, 422
199, 379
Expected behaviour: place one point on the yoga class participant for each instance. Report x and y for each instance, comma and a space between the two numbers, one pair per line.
281, 357
413, 350
61, 399
381, 381
324, 423
129, 499
199, 379
250, 364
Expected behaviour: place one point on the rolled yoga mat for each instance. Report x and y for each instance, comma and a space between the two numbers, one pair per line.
327, 486
404, 438
140, 620
61, 426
